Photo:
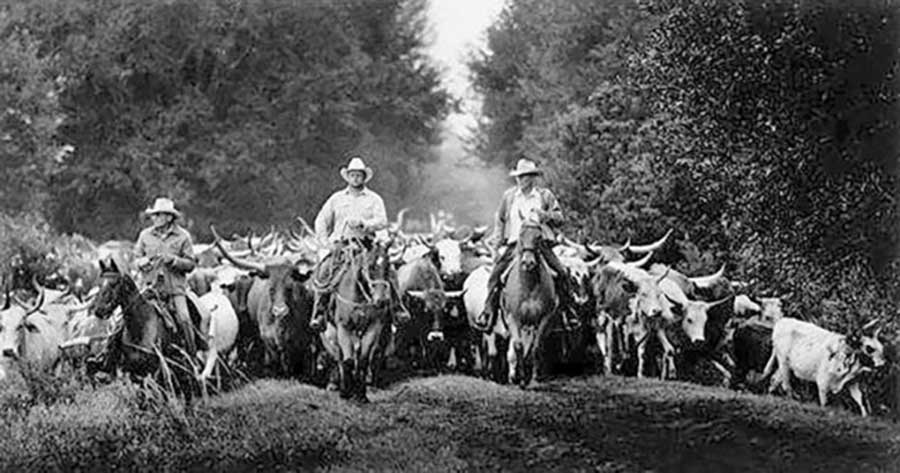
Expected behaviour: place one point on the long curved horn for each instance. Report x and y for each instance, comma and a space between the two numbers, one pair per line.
710, 305
248, 265
456, 293
706, 281
401, 215
652, 246
250, 242
593, 262
626, 246
305, 225
40, 299
640, 262
294, 235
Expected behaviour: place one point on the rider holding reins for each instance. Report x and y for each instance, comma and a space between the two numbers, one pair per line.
526, 201
165, 254
353, 213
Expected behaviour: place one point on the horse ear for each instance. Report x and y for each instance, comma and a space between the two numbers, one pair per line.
103, 267
113, 268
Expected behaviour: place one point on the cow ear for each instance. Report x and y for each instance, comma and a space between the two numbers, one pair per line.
31, 327
675, 307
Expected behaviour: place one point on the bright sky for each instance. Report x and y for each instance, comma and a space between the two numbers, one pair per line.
458, 27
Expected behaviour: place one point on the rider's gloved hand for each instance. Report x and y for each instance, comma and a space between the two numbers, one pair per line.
167, 259
355, 224
142, 262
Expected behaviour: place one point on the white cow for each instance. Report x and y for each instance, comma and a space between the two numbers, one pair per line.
475, 289
829, 359
223, 321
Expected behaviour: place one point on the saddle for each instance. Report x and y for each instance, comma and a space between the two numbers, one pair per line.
200, 315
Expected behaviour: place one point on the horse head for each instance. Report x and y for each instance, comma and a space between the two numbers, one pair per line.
529, 238
376, 273
115, 287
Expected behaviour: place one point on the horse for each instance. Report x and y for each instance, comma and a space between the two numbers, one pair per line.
362, 309
528, 301
146, 336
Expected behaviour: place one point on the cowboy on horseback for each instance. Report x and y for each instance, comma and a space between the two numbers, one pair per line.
525, 202
165, 255
351, 214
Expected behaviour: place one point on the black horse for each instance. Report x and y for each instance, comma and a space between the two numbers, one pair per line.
148, 335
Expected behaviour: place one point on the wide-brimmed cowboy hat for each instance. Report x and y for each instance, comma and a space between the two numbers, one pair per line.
356, 164
525, 167
163, 205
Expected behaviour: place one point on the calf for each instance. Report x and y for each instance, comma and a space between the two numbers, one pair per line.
829, 359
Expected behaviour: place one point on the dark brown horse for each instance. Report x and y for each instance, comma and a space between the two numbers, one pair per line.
528, 301
362, 310
145, 334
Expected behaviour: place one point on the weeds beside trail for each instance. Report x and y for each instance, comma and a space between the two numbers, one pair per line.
449, 423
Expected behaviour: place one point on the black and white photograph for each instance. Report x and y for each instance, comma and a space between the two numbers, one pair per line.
613, 236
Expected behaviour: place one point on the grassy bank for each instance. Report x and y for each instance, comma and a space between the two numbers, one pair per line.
448, 423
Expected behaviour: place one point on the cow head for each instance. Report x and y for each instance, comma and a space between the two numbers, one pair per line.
870, 347
449, 254
15, 327
282, 278
438, 304
694, 315
772, 309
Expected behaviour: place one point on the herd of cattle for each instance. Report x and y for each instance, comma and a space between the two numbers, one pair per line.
637, 317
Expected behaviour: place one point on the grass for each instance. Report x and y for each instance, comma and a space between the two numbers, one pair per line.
447, 423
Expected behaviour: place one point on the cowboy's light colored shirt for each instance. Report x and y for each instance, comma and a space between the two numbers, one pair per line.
508, 221
347, 204
174, 241
522, 208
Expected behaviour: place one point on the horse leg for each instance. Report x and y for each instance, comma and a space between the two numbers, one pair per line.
641, 349
367, 348
346, 345
537, 352
513, 353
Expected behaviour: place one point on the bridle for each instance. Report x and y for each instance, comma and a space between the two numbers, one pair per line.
365, 285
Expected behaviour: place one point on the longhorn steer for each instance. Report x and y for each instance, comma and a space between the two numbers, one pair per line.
419, 279
280, 304
829, 359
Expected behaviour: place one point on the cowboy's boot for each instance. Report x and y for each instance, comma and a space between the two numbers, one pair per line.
566, 304
486, 319
401, 313
317, 323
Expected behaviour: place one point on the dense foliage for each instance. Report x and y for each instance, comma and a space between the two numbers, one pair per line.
241, 111
764, 133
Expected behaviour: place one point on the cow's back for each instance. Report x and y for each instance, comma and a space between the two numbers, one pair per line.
476, 292
802, 345
223, 319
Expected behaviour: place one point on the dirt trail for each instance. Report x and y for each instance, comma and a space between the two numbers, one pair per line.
453, 423
615, 425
